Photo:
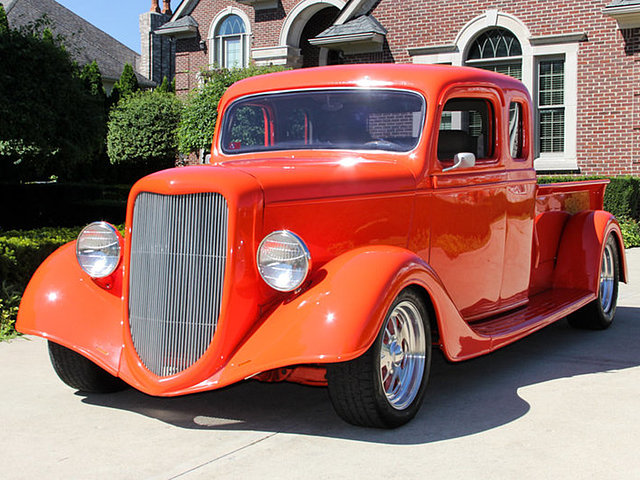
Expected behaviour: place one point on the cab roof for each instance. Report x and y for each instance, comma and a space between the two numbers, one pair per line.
429, 80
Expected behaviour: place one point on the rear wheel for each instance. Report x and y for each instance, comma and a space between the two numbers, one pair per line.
385, 386
599, 314
81, 373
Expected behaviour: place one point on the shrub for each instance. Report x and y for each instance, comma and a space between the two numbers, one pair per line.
21, 252
200, 113
142, 131
622, 196
630, 233
4, 22
126, 85
8, 314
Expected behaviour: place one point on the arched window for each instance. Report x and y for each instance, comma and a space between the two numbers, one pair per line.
230, 46
497, 50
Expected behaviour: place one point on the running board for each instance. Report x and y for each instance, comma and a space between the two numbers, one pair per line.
543, 309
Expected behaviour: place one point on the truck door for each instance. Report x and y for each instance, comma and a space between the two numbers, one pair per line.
469, 204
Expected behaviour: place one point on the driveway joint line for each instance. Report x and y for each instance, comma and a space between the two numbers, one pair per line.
213, 460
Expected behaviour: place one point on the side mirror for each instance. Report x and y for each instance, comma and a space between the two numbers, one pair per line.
462, 160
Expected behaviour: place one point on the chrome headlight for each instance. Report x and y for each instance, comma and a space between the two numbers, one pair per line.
283, 260
98, 249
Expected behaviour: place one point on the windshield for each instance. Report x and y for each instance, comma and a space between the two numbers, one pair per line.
328, 119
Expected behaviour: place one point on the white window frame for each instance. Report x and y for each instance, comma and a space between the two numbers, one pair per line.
534, 49
245, 37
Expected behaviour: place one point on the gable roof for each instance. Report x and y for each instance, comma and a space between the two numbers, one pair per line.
621, 3
85, 41
359, 25
185, 8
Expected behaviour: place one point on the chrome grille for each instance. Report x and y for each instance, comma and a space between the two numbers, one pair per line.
178, 254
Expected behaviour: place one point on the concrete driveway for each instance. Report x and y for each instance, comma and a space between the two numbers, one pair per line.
562, 403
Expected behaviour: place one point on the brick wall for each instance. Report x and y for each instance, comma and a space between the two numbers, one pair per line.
608, 97
265, 26
608, 129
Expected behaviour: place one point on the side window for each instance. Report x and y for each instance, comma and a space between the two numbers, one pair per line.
466, 125
516, 130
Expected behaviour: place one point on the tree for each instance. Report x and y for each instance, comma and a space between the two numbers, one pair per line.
167, 87
142, 131
126, 85
4, 21
49, 123
92, 79
200, 113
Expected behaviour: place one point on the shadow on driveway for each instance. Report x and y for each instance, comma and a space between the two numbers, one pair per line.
462, 399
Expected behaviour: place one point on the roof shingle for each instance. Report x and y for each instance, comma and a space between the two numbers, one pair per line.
85, 41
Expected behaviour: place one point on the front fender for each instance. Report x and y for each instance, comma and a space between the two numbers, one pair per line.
339, 316
581, 247
63, 304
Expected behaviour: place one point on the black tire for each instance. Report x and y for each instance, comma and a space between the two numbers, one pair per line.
598, 315
357, 390
81, 373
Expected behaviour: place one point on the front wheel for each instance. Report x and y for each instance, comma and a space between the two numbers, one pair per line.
384, 387
81, 373
599, 314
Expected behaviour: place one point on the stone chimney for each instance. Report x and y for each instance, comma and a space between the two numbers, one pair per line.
156, 51
166, 7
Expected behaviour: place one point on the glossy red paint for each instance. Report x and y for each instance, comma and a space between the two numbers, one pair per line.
495, 255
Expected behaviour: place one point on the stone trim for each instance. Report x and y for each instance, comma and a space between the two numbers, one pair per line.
627, 16
558, 39
280, 55
431, 50
351, 43
260, 4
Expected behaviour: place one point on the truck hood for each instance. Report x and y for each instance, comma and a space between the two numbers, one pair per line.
286, 179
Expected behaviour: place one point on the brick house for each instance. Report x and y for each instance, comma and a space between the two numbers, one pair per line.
580, 59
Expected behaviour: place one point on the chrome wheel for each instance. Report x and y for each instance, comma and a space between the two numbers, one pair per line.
402, 355
607, 278
385, 386
599, 314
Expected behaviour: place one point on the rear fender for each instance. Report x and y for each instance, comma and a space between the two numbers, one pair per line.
580, 250
339, 316
63, 304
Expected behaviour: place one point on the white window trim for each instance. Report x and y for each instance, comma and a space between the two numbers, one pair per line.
557, 47
295, 22
298, 17
246, 36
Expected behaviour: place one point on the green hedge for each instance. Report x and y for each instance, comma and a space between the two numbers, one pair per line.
21, 252
622, 198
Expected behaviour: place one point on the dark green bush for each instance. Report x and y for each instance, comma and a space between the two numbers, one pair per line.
50, 122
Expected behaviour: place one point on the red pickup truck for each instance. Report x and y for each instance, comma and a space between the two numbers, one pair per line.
352, 218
